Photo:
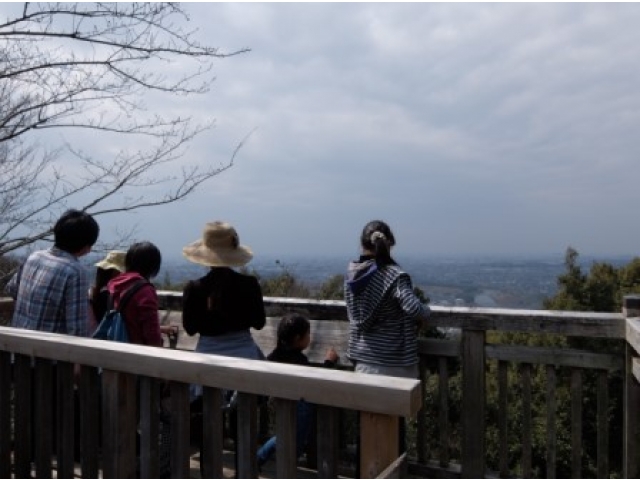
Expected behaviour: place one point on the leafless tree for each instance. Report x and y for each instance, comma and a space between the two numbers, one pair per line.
87, 68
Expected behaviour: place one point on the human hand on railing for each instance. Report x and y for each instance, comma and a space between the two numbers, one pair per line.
172, 332
331, 355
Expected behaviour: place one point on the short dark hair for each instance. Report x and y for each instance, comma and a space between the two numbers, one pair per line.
75, 230
381, 245
292, 326
143, 258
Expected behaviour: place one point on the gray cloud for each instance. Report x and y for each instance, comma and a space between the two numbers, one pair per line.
470, 128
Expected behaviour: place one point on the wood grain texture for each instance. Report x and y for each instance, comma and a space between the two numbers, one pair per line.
398, 396
286, 458
378, 443
5, 414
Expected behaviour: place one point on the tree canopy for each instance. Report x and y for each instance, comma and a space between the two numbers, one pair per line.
599, 290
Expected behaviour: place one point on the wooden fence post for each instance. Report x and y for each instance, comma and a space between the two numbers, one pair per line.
5, 414
22, 435
473, 403
631, 309
149, 428
286, 459
247, 443
43, 414
212, 433
90, 425
328, 441
180, 430
65, 445
379, 437
119, 424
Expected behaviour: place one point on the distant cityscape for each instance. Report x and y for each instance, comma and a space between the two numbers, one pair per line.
521, 283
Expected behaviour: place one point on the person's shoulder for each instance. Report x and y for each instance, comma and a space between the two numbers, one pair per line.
46, 257
237, 274
61, 261
392, 271
282, 355
195, 284
244, 278
304, 359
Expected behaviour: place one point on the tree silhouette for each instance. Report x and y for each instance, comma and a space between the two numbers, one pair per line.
88, 68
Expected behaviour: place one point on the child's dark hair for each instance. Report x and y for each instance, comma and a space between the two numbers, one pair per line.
74, 231
378, 238
292, 326
144, 258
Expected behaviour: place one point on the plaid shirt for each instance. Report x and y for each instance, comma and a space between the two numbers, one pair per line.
52, 294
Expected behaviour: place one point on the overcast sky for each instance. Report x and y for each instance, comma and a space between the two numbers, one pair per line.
471, 129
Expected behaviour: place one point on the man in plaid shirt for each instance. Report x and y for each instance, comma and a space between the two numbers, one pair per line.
51, 288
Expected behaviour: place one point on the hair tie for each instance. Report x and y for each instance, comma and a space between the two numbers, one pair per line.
376, 235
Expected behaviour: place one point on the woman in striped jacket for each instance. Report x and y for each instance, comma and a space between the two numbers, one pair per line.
384, 312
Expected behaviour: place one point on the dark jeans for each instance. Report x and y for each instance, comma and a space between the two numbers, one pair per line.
304, 419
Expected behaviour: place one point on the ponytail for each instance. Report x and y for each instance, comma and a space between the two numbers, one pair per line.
378, 238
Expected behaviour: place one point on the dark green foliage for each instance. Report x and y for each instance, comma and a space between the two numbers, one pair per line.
285, 284
599, 290
421, 295
167, 284
332, 289
515, 410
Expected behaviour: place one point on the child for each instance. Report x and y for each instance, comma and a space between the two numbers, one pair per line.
106, 269
294, 336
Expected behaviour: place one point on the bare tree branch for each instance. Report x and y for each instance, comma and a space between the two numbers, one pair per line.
87, 67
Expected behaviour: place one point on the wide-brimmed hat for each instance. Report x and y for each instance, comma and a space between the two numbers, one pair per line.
113, 260
219, 247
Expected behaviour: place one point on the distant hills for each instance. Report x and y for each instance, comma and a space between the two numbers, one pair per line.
483, 281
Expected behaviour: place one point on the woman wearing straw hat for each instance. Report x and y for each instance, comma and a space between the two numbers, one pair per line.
224, 304
107, 268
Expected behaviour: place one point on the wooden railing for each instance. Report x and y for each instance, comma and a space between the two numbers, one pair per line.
479, 363
495, 401
513, 393
114, 374
631, 444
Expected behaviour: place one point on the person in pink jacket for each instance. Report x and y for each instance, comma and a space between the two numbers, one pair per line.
142, 262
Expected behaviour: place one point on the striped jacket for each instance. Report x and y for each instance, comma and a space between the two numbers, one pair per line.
382, 310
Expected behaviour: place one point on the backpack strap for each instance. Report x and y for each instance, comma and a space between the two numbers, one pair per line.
127, 295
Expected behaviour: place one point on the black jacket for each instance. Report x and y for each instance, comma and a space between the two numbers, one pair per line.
222, 301
296, 357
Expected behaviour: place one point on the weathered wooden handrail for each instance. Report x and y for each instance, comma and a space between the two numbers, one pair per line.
380, 402
579, 324
394, 396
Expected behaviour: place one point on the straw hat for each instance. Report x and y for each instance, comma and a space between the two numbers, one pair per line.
113, 260
219, 247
